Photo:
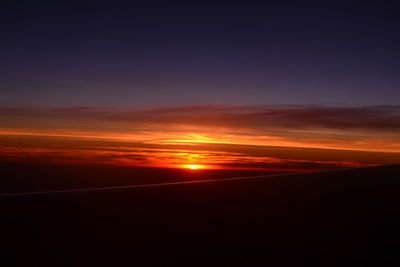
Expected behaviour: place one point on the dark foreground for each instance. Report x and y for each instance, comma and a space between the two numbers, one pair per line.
338, 218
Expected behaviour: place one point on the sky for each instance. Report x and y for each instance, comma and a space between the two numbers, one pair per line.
309, 74
150, 53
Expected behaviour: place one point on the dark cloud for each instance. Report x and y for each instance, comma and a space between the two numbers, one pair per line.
381, 118
166, 157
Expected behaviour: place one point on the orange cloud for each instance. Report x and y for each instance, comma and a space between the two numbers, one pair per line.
216, 136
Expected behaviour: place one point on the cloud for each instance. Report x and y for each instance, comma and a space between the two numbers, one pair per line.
385, 118
368, 117
365, 127
166, 158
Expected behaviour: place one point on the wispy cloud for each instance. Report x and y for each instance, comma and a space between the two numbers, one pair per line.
366, 117
164, 157
362, 128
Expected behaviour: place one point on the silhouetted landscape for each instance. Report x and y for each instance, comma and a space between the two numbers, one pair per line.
334, 218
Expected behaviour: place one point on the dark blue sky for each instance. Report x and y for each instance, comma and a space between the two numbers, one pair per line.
159, 53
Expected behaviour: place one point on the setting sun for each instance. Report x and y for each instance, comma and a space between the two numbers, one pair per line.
193, 167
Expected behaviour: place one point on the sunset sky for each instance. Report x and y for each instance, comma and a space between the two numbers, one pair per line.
275, 85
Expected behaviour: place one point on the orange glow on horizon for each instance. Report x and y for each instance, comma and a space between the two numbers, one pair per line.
215, 137
60, 151
185, 151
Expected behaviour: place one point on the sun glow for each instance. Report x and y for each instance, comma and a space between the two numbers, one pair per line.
193, 167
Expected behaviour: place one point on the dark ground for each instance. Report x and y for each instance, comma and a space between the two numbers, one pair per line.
21, 177
338, 218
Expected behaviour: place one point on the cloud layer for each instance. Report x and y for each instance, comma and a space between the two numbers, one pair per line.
363, 128
367, 117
